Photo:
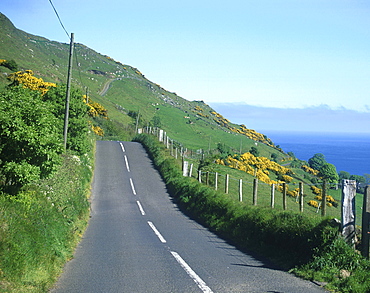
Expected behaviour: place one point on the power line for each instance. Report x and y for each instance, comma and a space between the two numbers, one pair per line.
60, 21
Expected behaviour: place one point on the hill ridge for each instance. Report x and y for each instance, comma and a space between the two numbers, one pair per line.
127, 91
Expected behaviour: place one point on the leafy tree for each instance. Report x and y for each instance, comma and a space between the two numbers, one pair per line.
274, 157
367, 177
254, 151
223, 149
358, 178
317, 161
329, 173
10, 64
344, 175
78, 127
156, 121
30, 143
292, 155
361, 182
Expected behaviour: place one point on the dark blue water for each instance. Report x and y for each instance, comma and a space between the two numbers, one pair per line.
348, 152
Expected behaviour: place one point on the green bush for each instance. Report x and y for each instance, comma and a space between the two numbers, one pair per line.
40, 226
78, 127
10, 64
30, 144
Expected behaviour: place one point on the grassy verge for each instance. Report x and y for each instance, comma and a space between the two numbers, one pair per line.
308, 246
40, 227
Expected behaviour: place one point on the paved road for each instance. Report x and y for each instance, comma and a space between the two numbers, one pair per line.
107, 86
138, 241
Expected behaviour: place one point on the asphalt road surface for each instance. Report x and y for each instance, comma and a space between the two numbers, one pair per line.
138, 241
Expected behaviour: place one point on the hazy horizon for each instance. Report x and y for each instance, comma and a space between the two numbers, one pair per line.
310, 119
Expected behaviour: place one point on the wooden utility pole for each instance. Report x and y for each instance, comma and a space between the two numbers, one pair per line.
69, 77
137, 123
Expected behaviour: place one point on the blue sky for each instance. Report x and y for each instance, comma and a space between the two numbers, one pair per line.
296, 56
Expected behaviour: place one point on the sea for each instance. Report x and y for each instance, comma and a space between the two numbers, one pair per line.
348, 152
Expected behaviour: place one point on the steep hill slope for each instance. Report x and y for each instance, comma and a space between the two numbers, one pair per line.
125, 92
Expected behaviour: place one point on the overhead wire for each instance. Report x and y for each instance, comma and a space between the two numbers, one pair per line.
69, 37
60, 21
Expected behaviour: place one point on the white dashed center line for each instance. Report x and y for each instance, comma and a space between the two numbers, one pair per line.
161, 238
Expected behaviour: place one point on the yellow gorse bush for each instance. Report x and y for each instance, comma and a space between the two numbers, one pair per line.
95, 109
31, 82
316, 190
250, 133
310, 170
313, 203
259, 167
97, 130
329, 198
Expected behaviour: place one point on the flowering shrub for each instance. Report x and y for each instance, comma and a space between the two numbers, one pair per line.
310, 170
259, 167
95, 109
97, 130
330, 200
31, 82
313, 203
316, 190
287, 178
293, 193
199, 109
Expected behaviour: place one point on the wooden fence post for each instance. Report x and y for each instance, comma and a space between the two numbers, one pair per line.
160, 135
301, 200
366, 223
284, 196
348, 210
200, 176
227, 184
216, 181
323, 200
207, 178
191, 170
255, 188
185, 168
240, 190
272, 195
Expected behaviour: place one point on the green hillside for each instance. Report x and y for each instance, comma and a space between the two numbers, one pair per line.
127, 91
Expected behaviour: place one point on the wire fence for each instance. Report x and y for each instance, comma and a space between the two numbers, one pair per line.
283, 195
